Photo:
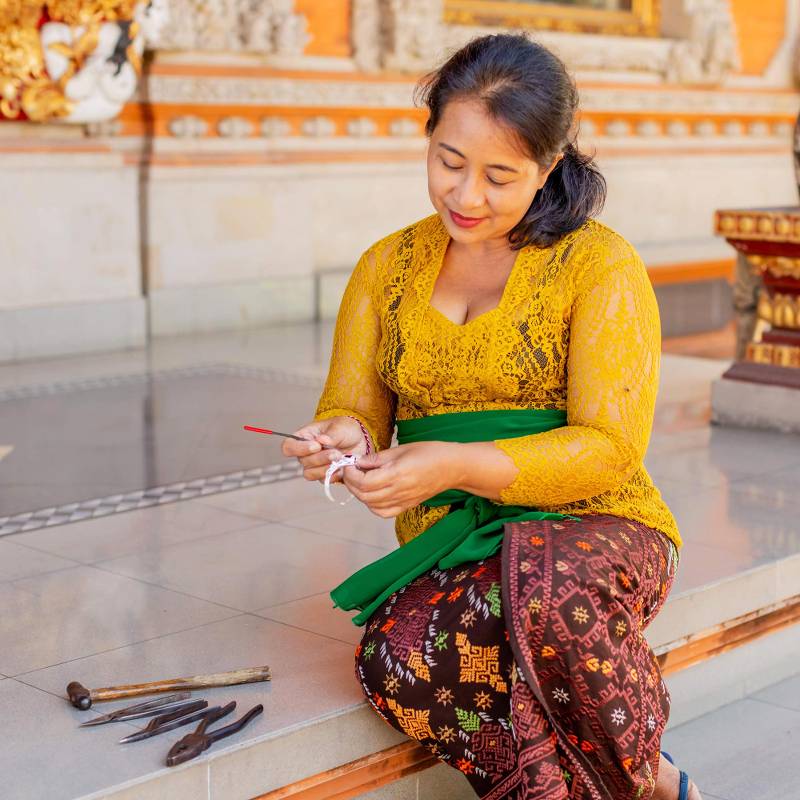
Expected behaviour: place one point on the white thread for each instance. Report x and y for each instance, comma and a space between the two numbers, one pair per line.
344, 461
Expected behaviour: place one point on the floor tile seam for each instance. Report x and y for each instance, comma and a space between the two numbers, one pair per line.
286, 602
33, 592
128, 723
237, 611
202, 500
184, 542
189, 542
81, 563
301, 628
298, 628
771, 703
18, 677
382, 550
73, 563
743, 699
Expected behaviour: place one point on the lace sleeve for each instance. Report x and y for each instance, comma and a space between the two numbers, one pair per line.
353, 387
612, 380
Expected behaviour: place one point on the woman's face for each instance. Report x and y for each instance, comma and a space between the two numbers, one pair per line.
479, 178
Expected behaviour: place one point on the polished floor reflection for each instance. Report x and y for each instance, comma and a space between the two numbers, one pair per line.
89, 439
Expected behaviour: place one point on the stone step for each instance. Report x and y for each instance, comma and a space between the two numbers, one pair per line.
717, 644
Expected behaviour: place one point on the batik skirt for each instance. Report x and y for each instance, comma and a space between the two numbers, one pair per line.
529, 671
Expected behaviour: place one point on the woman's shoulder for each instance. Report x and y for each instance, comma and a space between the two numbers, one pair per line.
594, 250
403, 239
596, 238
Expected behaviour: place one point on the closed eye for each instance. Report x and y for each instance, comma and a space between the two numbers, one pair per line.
488, 177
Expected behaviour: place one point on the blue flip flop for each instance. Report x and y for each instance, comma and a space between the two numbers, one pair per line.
683, 790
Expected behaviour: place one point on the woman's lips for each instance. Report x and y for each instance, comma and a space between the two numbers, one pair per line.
465, 222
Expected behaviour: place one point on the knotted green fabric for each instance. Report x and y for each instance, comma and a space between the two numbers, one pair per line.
473, 528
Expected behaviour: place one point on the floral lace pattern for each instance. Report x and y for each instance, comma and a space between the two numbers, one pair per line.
577, 328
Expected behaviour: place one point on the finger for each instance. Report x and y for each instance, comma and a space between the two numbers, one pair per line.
376, 479
382, 497
354, 477
387, 512
291, 447
318, 474
321, 459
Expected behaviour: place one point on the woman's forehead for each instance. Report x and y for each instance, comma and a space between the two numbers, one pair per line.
467, 127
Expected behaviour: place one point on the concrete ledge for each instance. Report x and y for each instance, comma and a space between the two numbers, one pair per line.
755, 405
255, 767
231, 306
72, 329
715, 603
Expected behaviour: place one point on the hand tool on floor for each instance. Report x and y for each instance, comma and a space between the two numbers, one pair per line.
195, 743
177, 719
82, 698
148, 709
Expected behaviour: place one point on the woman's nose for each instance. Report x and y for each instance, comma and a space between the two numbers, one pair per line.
469, 195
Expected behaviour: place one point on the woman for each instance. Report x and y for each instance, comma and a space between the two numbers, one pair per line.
515, 343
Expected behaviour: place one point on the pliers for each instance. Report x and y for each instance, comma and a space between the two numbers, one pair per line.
191, 745
175, 719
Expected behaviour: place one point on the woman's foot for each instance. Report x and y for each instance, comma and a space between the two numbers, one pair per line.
668, 783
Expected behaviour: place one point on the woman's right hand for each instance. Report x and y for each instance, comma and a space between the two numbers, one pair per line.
340, 434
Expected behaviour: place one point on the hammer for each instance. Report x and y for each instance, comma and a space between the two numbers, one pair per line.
82, 698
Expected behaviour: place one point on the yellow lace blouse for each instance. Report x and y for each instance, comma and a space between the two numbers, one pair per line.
577, 328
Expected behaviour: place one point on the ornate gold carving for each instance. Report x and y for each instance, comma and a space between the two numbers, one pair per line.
90, 12
765, 225
747, 225
642, 20
25, 85
782, 225
778, 266
780, 310
782, 355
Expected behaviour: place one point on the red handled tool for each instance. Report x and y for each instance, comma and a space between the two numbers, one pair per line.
278, 433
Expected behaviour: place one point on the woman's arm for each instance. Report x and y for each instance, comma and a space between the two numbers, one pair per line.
353, 387
612, 381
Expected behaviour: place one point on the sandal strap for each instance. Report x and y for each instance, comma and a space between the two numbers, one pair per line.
683, 791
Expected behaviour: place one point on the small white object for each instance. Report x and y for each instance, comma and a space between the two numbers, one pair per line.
341, 463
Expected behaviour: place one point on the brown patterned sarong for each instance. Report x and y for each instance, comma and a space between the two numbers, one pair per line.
529, 672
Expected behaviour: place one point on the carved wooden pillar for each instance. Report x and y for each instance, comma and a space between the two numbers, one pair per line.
768, 242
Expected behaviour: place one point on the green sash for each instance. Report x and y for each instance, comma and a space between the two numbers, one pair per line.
473, 528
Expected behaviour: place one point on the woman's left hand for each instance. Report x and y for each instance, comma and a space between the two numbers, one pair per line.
390, 481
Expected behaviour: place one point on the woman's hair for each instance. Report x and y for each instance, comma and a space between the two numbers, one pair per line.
526, 88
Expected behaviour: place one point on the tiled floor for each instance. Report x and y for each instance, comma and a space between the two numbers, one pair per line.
746, 750
241, 577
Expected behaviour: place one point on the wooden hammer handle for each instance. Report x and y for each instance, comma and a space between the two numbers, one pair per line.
234, 678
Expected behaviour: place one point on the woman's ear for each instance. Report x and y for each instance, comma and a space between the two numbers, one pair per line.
543, 176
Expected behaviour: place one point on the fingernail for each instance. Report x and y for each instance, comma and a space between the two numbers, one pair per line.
314, 447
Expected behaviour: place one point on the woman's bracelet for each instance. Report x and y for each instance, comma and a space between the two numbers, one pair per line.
367, 437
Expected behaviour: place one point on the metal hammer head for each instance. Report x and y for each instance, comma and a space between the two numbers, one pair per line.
79, 695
